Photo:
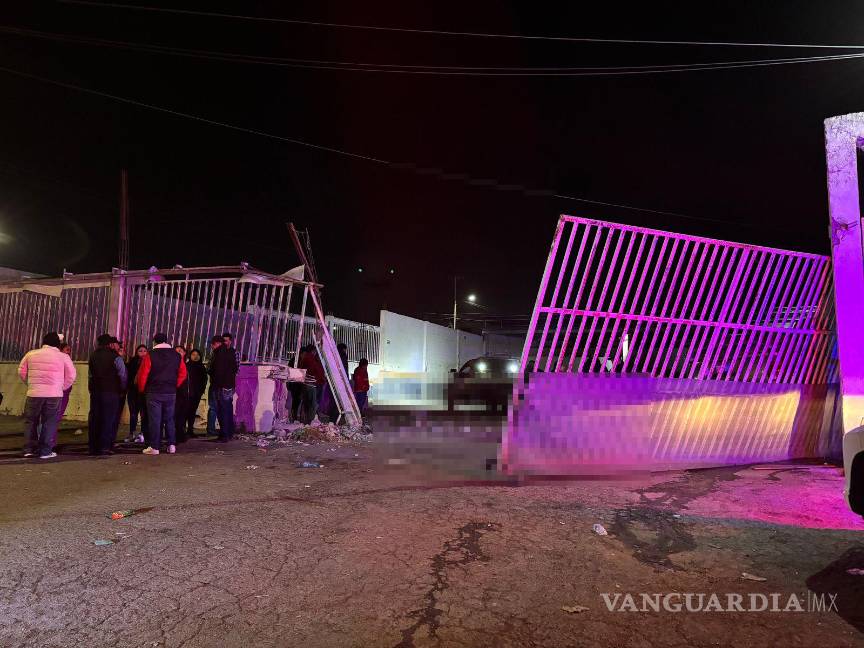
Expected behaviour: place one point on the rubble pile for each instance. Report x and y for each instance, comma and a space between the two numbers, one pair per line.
316, 431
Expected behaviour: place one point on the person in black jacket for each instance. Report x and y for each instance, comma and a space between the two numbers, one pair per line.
106, 381
137, 406
181, 403
197, 376
223, 380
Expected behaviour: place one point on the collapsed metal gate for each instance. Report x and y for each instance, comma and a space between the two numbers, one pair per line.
655, 349
623, 299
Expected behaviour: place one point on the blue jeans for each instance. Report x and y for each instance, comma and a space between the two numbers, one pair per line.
44, 412
102, 421
362, 399
160, 410
225, 412
211, 411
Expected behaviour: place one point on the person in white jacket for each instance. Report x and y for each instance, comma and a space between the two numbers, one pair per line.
47, 371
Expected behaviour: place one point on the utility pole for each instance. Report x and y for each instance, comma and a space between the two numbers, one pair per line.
455, 332
123, 252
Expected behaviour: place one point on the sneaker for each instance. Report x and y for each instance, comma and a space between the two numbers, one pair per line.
29, 454
50, 455
139, 438
172, 449
129, 439
150, 451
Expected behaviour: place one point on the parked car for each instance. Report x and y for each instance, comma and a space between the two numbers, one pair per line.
485, 380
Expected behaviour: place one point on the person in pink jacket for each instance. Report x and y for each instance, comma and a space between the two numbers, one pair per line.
47, 372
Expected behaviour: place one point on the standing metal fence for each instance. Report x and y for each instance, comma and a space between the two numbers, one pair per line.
79, 312
258, 314
362, 340
623, 299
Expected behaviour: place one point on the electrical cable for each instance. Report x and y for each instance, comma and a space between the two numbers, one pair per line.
442, 70
439, 32
349, 154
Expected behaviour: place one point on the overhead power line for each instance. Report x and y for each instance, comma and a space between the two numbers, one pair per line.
424, 171
442, 70
440, 32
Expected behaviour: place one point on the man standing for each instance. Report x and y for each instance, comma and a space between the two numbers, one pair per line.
160, 374
106, 382
223, 380
47, 372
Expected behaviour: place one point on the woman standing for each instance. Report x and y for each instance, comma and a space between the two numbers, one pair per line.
181, 403
66, 348
197, 373
135, 398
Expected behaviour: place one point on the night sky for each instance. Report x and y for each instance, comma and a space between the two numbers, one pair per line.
740, 151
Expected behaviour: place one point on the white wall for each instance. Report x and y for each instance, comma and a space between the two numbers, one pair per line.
15, 392
416, 358
412, 345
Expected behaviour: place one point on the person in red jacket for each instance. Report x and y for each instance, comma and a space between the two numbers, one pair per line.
361, 385
160, 374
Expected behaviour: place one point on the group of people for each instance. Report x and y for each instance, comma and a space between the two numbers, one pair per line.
163, 386
313, 395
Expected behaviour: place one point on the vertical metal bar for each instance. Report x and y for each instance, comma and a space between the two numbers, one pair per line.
300, 326
588, 300
285, 317
637, 307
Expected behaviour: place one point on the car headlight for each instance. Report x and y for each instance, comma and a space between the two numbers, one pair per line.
512, 367
481, 367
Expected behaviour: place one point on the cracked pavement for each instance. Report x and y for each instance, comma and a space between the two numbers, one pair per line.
362, 553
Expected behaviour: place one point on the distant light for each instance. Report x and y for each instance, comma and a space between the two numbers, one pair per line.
472, 298
392, 271
481, 367
359, 269
512, 367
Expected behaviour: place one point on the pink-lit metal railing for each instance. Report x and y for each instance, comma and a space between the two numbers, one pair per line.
624, 299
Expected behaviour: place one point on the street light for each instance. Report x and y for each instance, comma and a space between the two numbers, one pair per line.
472, 298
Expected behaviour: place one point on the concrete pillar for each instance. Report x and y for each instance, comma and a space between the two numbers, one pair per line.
844, 135
116, 302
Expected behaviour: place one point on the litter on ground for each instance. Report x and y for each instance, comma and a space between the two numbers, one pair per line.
752, 577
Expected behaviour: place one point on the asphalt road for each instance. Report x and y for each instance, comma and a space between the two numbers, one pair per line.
386, 546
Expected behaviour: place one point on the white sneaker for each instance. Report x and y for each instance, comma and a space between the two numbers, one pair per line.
150, 451
50, 455
139, 438
172, 449
29, 454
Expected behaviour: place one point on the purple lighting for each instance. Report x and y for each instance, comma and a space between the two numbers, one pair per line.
676, 351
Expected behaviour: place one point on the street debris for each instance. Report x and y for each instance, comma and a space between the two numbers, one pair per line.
855, 571
751, 577
599, 529
119, 515
574, 609
251, 467
397, 461
311, 464
101, 543
78, 432
262, 442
